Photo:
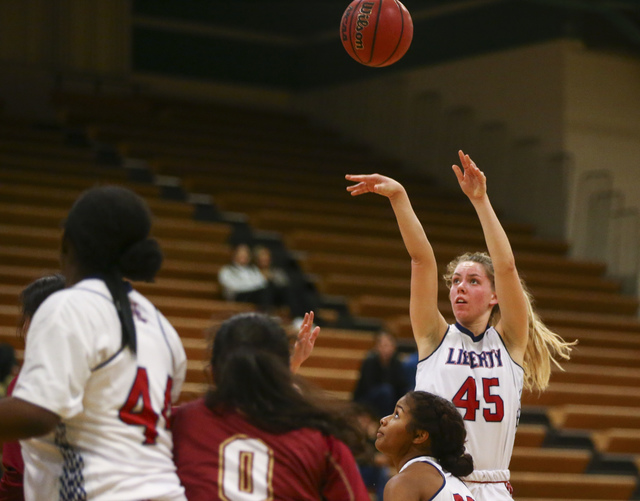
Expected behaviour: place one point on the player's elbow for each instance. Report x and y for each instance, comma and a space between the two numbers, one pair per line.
23, 419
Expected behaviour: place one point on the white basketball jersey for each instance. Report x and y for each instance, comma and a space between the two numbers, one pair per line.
478, 375
113, 442
453, 489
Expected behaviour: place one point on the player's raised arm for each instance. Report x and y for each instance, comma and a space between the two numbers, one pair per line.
427, 322
513, 324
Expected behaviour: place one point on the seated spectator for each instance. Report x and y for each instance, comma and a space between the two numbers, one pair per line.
382, 377
282, 289
8, 366
242, 280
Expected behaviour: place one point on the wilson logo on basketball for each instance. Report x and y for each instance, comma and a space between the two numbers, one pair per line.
362, 23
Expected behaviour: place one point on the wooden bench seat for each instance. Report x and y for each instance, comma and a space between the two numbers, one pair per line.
286, 221
9, 314
191, 270
345, 338
194, 250
327, 263
21, 275
340, 381
197, 308
336, 358
606, 375
192, 391
31, 148
555, 319
614, 323
9, 335
539, 459
41, 175
24, 130
180, 288
615, 357
395, 304
568, 486
195, 328
594, 417
601, 338
30, 195
372, 248
617, 441
530, 435
584, 394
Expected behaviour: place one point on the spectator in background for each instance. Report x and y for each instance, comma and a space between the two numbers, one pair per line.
382, 377
282, 290
8, 366
242, 280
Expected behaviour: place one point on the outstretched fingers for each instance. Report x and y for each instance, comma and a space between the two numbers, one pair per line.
365, 184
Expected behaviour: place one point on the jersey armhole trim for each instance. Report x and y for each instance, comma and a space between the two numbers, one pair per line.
437, 347
166, 340
108, 360
507, 349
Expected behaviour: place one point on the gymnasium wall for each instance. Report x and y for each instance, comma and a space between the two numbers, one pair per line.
554, 125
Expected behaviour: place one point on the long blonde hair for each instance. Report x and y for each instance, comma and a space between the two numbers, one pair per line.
543, 345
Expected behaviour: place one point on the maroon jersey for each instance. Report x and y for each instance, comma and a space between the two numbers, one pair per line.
12, 466
223, 457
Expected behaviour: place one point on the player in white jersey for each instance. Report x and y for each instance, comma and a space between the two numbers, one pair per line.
424, 439
492, 310
102, 367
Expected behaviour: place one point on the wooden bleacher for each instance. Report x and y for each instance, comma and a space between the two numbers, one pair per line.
351, 247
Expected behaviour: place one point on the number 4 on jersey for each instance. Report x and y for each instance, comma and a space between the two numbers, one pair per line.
466, 398
137, 409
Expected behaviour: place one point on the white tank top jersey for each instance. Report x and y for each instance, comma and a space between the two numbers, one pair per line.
478, 375
113, 442
453, 489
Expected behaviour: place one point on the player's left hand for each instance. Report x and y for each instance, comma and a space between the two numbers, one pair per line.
305, 342
471, 179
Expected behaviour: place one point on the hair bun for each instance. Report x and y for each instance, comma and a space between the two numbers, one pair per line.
141, 261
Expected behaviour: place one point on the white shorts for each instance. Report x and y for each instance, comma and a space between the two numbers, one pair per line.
490, 485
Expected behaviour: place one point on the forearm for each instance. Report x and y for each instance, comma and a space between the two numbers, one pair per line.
20, 419
413, 234
495, 237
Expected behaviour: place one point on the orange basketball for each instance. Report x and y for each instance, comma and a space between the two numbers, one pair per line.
376, 32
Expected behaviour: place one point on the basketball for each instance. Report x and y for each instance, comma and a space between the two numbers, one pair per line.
376, 32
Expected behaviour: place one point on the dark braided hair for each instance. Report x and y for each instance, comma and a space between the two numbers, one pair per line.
250, 362
445, 426
109, 227
34, 294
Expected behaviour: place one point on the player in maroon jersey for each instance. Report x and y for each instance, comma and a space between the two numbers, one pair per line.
258, 435
33, 295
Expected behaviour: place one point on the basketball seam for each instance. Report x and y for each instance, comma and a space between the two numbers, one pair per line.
399, 38
351, 34
375, 32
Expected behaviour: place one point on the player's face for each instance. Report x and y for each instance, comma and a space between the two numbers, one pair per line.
393, 437
471, 292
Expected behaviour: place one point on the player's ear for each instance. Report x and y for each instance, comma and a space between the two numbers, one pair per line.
420, 437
